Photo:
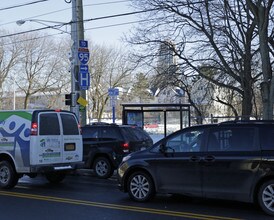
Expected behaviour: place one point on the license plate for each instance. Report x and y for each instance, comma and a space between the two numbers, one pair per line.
69, 146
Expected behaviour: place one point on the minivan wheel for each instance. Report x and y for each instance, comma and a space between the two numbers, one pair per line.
140, 186
8, 176
102, 168
266, 197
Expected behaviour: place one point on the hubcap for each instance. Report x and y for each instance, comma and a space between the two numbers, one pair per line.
268, 197
4, 175
101, 168
139, 187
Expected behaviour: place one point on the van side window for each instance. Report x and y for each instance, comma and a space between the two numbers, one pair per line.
49, 124
232, 139
190, 141
70, 126
267, 138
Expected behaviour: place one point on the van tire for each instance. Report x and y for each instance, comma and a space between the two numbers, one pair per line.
55, 177
8, 175
103, 168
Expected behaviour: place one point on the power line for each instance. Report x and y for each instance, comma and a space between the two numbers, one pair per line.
34, 30
87, 29
86, 20
115, 25
21, 5
107, 3
65, 9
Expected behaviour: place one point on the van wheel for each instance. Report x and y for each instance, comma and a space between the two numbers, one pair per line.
266, 197
8, 176
102, 168
140, 187
55, 177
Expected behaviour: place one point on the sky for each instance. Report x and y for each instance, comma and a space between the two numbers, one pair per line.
60, 11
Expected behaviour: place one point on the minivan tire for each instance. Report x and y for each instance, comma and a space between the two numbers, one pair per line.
103, 168
8, 175
140, 186
266, 197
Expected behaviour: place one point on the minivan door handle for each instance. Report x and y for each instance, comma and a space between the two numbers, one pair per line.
209, 158
195, 159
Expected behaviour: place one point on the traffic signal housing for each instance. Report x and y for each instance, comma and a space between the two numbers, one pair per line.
68, 99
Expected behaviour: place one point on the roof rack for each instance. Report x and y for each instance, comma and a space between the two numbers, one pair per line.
102, 123
248, 122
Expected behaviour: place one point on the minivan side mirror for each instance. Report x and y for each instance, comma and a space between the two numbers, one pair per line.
163, 148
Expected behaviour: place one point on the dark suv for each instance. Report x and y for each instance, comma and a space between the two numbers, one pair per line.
105, 145
231, 160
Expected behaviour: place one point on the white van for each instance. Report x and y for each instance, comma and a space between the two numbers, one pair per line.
38, 141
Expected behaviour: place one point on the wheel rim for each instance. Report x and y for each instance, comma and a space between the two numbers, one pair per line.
268, 197
4, 175
101, 168
139, 187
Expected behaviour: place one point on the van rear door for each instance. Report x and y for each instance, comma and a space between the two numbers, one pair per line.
72, 139
57, 138
46, 139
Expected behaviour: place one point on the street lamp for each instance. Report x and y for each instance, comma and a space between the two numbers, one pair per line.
44, 22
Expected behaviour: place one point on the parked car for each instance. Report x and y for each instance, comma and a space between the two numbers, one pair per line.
231, 160
105, 145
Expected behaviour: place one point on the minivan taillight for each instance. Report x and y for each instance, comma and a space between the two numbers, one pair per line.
125, 147
34, 128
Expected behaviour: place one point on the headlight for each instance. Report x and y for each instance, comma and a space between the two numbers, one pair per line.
126, 158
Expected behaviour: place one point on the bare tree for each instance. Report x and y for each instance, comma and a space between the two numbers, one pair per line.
40, 68
109, 69
261, 10
219, 36
8, 57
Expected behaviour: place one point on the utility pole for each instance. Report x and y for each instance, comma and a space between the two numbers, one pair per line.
77, 33
83, 113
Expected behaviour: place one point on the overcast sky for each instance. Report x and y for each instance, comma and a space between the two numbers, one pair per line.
60, 11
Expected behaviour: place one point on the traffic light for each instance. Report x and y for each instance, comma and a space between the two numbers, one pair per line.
68, 99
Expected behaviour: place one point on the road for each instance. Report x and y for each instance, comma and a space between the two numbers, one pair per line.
83, 196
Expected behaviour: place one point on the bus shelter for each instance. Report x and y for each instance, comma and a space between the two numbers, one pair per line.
157, 119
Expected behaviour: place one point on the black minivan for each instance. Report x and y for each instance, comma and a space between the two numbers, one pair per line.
230, 160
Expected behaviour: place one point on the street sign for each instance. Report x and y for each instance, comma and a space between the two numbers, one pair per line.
113, 92
84, 79
83, 56
83, 43
82, 101
83, 68
113, 100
